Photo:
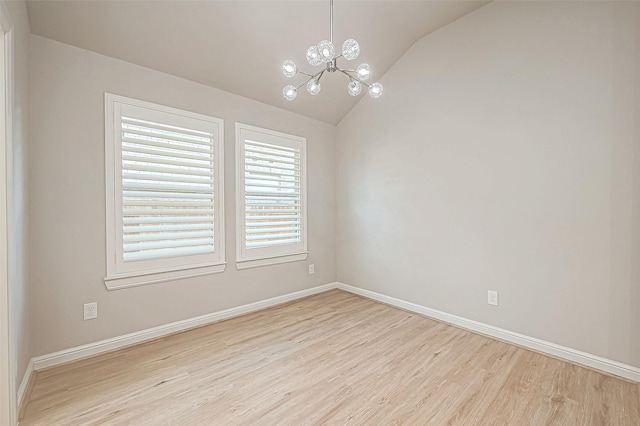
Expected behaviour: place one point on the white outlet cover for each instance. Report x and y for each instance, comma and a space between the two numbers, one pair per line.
90, 310
492, 297
312, 268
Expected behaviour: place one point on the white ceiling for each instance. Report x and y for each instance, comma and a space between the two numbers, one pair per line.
238, 46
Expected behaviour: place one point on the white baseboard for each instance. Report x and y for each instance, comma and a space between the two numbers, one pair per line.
25, 382
569, 354
84, 351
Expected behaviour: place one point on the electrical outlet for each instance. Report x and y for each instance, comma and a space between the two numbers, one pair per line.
492, 297
90, 310
312, 269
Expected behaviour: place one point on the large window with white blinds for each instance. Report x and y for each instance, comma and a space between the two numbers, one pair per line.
164, 193
271, 197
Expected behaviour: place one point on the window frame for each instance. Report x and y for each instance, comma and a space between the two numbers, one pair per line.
152, 271
251, 258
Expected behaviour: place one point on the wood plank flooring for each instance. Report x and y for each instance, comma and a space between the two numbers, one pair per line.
330, 359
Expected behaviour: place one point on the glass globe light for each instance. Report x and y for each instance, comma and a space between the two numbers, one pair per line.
354, 88
313, 56
289, 68
326, 50
289, 92
363, 72
313, 87
350, 49
375, 90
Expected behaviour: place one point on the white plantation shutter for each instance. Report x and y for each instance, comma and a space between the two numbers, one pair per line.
271, 195
166, 201
271, 200
167, 190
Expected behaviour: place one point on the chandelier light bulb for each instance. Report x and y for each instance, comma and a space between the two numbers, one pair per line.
375, 90
313, 56
326, 50
354, 88
350, 49
363, 72
313, 87
289, 92
289, 68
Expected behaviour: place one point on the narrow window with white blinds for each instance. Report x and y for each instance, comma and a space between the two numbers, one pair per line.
271, 198
164, 193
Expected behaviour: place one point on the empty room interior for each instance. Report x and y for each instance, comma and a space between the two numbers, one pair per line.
320, 212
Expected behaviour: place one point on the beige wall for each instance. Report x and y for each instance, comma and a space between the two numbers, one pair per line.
504, 155
18, 216
68, 200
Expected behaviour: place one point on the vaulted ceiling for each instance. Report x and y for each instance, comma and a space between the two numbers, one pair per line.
238, 46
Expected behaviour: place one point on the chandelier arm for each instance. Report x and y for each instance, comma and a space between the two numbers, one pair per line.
308, 80
311, 77
352, 77
320, 76
306, 73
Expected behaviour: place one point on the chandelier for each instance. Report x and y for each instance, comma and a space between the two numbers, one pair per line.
325, 53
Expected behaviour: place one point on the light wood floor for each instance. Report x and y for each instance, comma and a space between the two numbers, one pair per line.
333, 358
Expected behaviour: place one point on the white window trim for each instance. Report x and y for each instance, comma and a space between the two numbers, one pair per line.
115, 280
263, 260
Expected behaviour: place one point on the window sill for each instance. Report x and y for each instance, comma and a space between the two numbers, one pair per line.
135, 280
264, 261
